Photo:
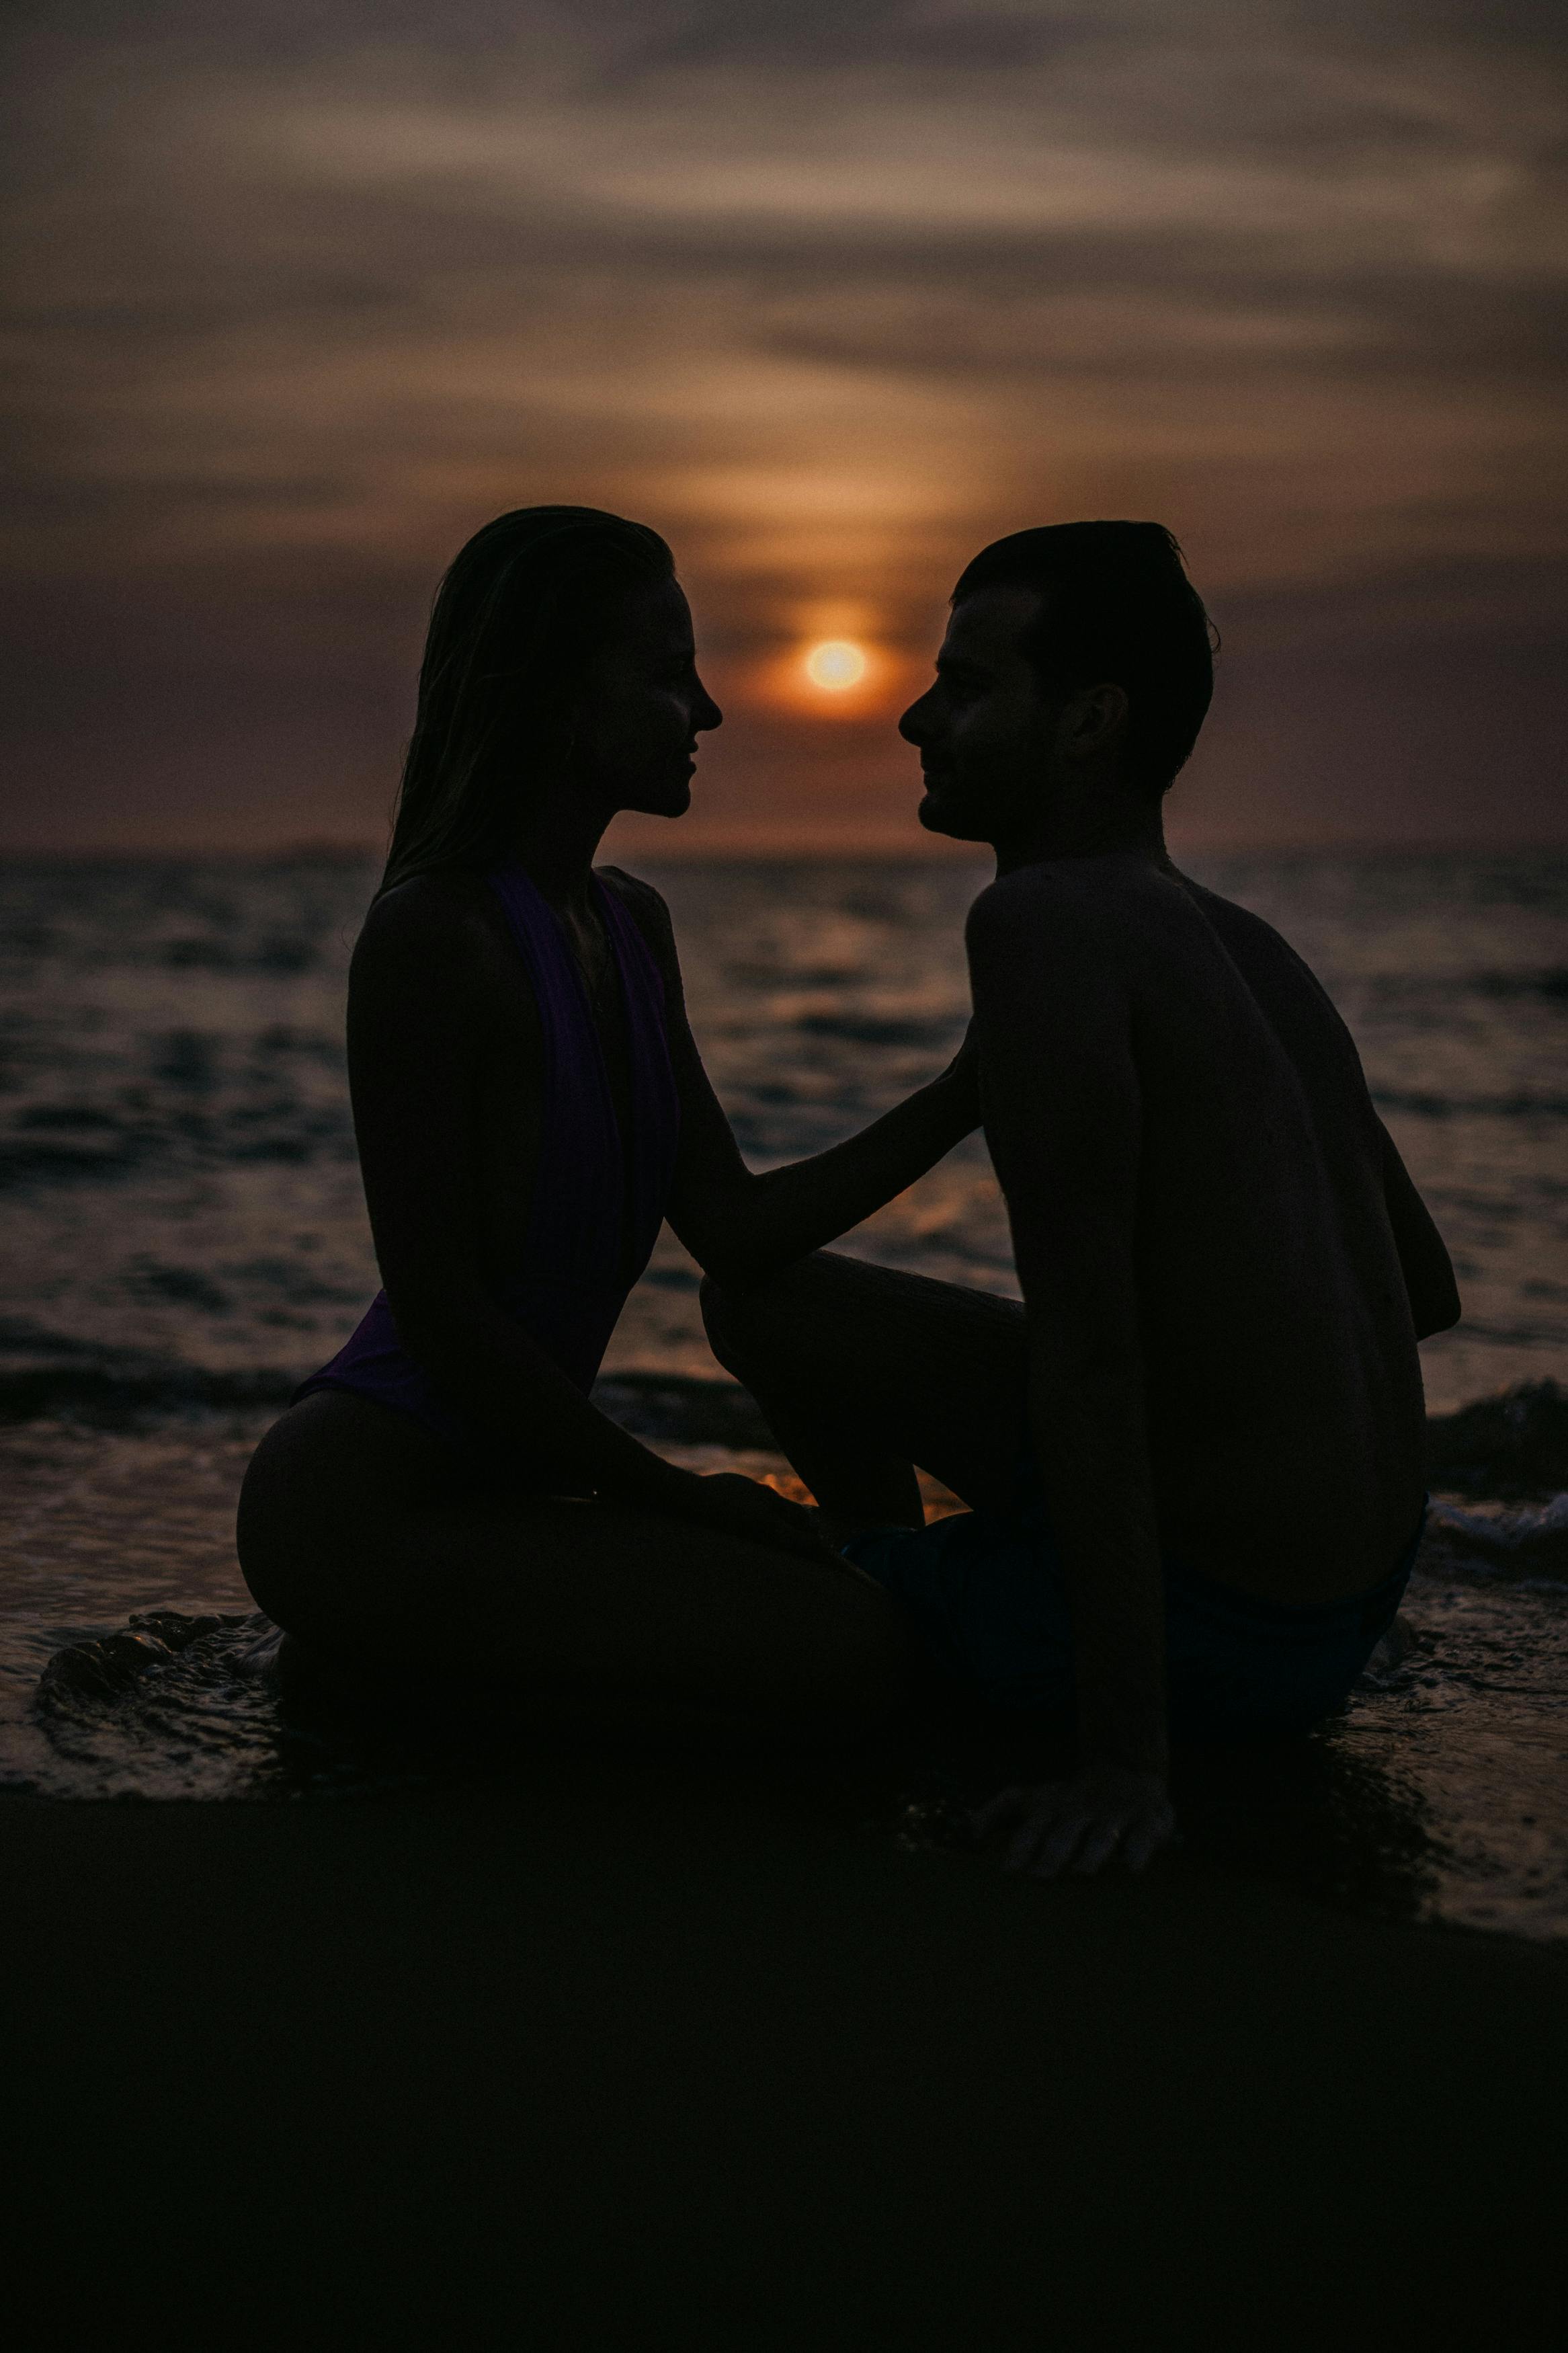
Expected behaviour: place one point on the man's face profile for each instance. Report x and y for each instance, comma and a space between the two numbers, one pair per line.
984, 729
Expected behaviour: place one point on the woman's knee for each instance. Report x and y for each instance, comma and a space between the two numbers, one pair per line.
714, 1301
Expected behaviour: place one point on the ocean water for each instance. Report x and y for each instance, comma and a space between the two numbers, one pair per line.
182, 1237
177, 1158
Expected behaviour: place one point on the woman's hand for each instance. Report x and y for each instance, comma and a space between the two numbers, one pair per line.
1080, 1824
739, 1506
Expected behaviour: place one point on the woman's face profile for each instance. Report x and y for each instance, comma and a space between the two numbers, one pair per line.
641, 707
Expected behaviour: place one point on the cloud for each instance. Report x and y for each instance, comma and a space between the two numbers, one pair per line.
832, 294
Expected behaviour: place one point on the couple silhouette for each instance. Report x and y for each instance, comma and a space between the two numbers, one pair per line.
1191, 1457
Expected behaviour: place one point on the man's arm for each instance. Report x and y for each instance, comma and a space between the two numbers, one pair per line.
741, 1226
1063, 1118
1423, 1260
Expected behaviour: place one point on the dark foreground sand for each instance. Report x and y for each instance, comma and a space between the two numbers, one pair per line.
655, 2055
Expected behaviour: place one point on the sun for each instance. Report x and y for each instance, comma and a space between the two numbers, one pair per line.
836, 664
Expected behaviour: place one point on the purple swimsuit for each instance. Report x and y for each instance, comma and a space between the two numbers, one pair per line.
584, 1244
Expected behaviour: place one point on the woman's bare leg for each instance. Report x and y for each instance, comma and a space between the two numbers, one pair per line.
356, 1535
863, 1372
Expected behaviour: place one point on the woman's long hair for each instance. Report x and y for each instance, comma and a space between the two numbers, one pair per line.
521, 609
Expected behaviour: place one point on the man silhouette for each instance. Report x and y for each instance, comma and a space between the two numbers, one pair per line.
1193, 1457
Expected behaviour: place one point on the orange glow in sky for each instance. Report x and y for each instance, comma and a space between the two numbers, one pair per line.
831, 299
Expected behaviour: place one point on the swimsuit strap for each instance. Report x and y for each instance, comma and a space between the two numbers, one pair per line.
575, 1216
654, 1102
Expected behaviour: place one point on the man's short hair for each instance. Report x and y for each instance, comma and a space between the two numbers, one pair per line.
1119, 610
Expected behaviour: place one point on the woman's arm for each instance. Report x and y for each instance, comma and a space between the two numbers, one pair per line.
427, 975
741, 1226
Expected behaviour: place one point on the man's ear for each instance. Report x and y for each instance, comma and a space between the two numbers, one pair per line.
1091, 721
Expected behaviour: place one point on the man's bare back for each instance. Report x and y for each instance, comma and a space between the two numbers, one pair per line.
1285, 1417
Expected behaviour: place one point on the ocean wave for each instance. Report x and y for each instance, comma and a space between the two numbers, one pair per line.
49, 1375
178, 1704
56, 1161
1421, 1103
1547, 983
222, 955
875, 1030
107, 1665
1511, 1448
1528, 1543
1551, 983
184, 1141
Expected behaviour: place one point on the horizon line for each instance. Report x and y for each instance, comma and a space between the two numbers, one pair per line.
742, 847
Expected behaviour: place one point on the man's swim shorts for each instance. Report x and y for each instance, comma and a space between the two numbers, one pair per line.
987, 1595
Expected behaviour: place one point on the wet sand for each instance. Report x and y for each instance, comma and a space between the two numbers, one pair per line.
650, 2054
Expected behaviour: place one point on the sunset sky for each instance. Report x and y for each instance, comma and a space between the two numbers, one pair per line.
300, 294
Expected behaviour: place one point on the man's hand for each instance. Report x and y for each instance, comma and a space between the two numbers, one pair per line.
1080, 1824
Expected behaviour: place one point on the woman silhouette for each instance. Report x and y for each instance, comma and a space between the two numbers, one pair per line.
529, 1104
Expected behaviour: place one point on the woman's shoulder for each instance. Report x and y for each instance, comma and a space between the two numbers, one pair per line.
446, 926
445, 904
639, 896
646, 907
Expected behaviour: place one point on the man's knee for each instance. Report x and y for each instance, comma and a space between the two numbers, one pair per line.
718, 1320
787, 1317
737, 1320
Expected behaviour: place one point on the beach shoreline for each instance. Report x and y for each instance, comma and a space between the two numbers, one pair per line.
574, 2046
1439, 1796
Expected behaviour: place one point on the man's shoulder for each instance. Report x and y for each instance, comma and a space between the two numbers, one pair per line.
1067, 909
1263, 956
